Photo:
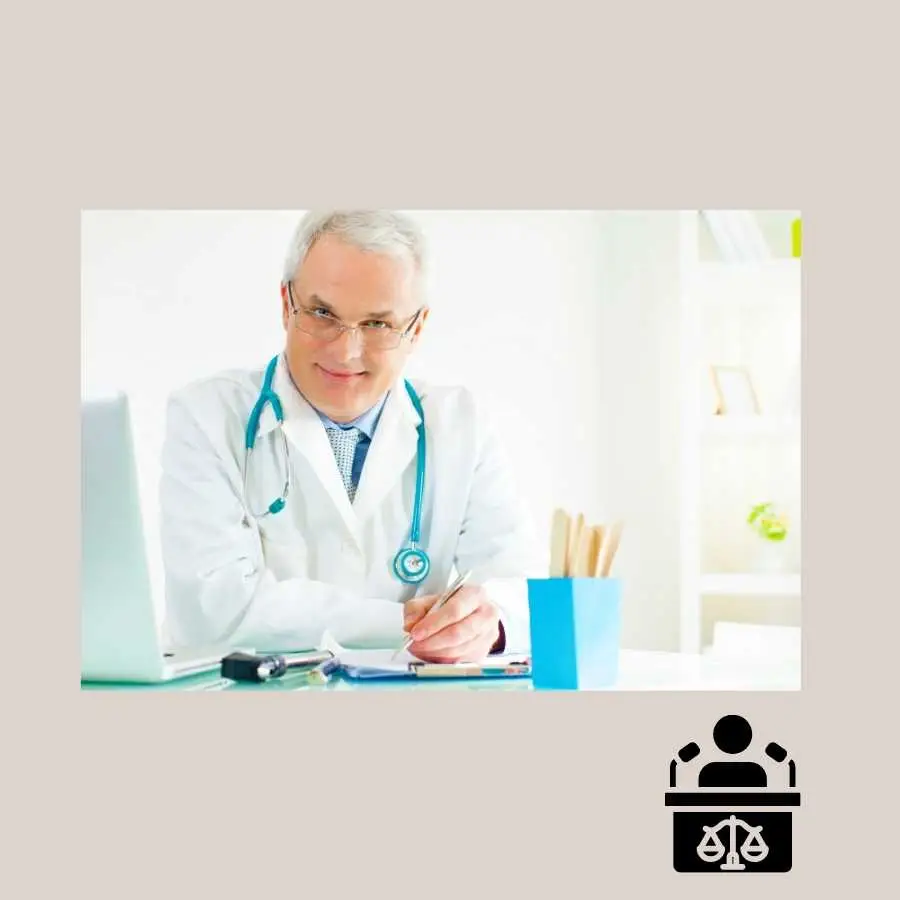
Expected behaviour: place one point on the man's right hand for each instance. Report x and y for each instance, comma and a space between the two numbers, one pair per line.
465, 629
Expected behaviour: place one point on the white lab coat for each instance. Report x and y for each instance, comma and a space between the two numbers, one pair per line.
322, 566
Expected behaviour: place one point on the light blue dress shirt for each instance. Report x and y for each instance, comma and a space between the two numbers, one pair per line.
366, 423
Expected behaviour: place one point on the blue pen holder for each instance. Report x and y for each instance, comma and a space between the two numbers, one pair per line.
575, 629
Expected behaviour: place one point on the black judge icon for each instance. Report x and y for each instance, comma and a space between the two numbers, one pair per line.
698, 835
732, 734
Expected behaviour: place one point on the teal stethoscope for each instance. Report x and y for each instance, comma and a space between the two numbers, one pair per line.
411, 564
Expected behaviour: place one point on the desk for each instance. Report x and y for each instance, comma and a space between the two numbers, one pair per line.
639, 670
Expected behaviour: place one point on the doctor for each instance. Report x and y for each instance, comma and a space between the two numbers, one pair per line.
323, 493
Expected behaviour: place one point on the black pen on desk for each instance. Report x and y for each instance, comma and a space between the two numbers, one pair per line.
460, 581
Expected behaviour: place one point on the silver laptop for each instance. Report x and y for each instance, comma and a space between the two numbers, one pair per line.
120, 640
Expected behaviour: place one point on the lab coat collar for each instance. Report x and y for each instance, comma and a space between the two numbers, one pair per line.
391, 450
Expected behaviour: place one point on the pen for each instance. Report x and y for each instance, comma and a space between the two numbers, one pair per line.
460, 581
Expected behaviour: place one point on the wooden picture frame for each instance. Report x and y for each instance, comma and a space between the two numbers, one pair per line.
734, 392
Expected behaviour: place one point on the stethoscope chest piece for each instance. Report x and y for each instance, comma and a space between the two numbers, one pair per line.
412, 565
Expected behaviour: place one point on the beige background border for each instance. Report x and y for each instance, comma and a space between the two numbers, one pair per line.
482, 794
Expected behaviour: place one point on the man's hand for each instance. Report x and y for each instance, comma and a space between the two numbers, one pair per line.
465, 629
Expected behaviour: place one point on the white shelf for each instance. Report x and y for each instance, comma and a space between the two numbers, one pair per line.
775, 267
750, 584
752, 426
732, 285
746, 313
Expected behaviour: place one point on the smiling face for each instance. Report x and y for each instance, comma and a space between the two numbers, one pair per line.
348, 375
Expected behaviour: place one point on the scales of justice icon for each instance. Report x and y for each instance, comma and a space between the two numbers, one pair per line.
734, 821
754, 849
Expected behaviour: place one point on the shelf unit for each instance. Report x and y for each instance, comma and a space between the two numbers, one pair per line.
735, 313
751, 426
752, 584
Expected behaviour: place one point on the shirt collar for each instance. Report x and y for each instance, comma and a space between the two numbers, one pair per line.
366, 423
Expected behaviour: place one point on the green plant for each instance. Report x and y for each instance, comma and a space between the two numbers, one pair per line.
768, 522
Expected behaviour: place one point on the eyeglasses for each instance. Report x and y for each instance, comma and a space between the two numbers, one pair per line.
319, 323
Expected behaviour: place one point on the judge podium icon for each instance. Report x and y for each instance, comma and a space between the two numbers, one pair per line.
734, 821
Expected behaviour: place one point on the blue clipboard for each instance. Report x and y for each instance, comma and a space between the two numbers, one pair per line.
516, 667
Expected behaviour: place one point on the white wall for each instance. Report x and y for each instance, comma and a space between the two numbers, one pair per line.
565, 321
638, 352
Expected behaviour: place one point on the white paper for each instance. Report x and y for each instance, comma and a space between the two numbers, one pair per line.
377, 659
383, 659
374, 658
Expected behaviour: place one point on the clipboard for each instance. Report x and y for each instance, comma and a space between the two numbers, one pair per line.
519, 668
378, 664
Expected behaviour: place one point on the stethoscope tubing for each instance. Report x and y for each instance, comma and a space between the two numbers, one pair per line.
411, 564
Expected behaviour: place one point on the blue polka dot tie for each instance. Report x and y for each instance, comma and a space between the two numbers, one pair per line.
343, 442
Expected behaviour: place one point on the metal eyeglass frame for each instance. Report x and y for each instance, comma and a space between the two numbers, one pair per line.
400, 333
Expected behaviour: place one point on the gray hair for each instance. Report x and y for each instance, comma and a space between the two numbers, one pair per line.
377, 231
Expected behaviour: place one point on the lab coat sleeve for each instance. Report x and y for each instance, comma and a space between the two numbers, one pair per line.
498, 540
218, 588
